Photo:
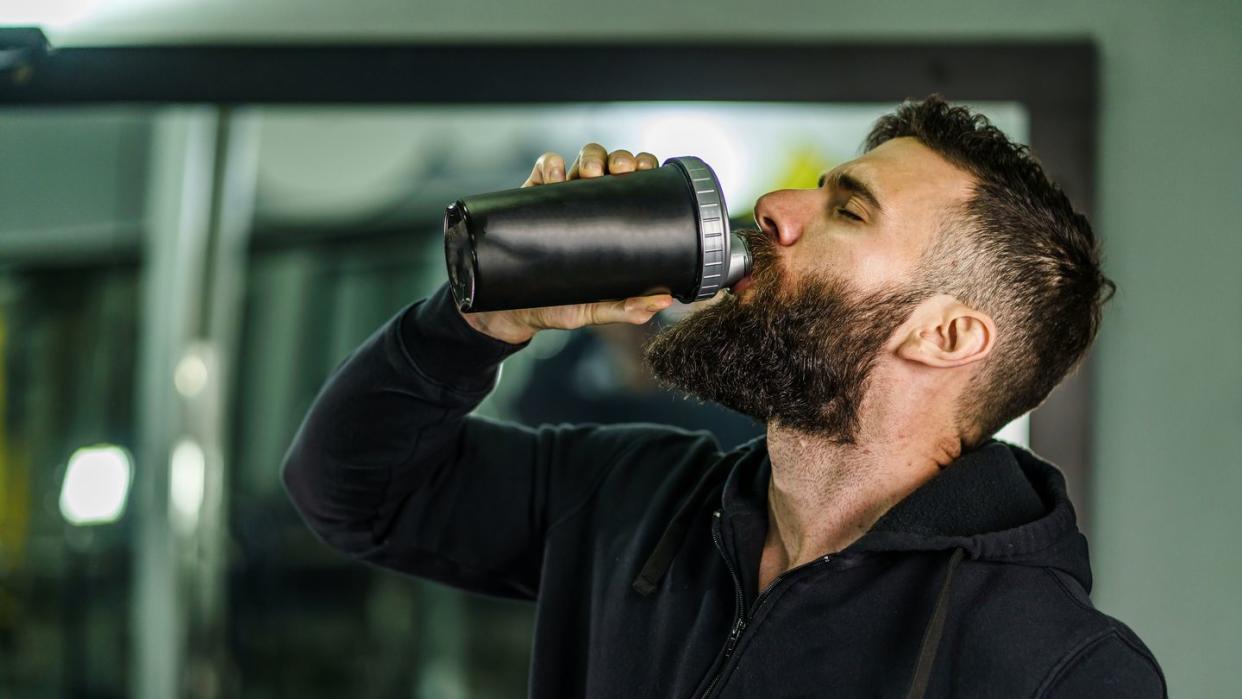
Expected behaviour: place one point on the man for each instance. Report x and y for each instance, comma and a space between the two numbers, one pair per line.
876, 542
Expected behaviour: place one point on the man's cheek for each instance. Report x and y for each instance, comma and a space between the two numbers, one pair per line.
871, 269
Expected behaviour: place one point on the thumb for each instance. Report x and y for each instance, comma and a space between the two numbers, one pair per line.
636, 310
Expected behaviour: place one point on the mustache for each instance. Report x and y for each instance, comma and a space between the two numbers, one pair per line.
765, 268
761, 244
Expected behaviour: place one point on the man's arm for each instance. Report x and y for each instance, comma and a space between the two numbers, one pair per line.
389, 467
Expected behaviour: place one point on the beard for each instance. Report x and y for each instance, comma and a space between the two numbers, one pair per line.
800, 358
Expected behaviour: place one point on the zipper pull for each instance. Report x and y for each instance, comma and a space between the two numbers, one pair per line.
738, 627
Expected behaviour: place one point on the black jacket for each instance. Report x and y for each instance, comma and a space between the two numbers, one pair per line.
640, 545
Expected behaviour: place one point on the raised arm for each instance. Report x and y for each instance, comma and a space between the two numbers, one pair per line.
390, 467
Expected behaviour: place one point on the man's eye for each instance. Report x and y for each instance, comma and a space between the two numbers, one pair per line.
848, 214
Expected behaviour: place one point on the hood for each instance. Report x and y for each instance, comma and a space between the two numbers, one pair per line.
998, 502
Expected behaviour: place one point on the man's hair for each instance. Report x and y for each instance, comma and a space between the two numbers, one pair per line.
1016, 250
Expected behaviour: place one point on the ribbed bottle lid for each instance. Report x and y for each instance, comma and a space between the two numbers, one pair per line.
713, 224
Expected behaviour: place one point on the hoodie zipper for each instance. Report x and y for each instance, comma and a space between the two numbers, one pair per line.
741, 618
739, 622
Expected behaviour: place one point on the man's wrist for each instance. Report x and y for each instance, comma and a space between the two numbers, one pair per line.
443, 345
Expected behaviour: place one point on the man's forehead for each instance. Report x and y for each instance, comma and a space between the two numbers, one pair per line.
905, 165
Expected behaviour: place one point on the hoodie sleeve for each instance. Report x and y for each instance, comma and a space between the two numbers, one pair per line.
389, 466
1109, 667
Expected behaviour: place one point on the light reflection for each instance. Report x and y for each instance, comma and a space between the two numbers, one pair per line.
96, 485
191, 374
51, 14
698, 134
188, 469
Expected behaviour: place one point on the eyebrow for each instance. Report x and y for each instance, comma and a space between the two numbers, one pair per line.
844, 180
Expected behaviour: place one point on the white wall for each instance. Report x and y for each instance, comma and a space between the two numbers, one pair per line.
1167, 464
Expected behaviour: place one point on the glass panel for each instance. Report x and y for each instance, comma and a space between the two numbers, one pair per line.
71, 200
114, 234
347, 232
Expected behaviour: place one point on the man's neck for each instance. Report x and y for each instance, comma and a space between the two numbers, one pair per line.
824, 496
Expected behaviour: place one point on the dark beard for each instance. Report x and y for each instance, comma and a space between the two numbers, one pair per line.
799, 357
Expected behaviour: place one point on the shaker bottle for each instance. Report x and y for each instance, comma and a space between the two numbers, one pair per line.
658, 231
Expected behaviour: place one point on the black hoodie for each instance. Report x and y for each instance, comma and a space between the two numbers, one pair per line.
640, 546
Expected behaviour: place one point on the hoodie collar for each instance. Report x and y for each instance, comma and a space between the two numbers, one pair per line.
982, 491
997, 501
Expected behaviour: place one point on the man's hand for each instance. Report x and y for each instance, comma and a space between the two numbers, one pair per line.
520, 325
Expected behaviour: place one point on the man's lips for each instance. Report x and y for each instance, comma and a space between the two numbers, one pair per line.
743, 284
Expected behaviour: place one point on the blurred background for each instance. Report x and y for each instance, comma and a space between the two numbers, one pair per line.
179, 273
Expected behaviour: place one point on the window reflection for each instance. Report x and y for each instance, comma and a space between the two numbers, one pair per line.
345, 233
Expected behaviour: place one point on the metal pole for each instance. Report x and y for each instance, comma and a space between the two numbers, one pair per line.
183, 160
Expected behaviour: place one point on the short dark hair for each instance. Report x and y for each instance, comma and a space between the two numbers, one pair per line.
1016, 250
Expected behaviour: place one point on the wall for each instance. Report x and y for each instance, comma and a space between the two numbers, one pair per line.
1167, 465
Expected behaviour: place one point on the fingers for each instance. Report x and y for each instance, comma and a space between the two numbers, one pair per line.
636, 310
550, 167
641, 309
589, 163
621, 162
594, 160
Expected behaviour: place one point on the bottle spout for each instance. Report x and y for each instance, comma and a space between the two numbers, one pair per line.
740, 260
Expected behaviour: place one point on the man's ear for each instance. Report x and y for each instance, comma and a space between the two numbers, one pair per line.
944, 332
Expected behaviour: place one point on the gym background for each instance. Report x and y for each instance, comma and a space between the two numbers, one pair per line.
204, 206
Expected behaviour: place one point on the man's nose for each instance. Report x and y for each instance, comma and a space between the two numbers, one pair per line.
779, 215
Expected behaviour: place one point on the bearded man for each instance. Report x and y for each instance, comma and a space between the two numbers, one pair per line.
876, 542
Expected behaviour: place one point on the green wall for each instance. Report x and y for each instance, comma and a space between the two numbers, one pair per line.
1169, 415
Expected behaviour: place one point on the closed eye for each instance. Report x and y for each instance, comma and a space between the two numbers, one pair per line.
849, 214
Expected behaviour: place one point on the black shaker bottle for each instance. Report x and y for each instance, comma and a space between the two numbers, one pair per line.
663, 230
